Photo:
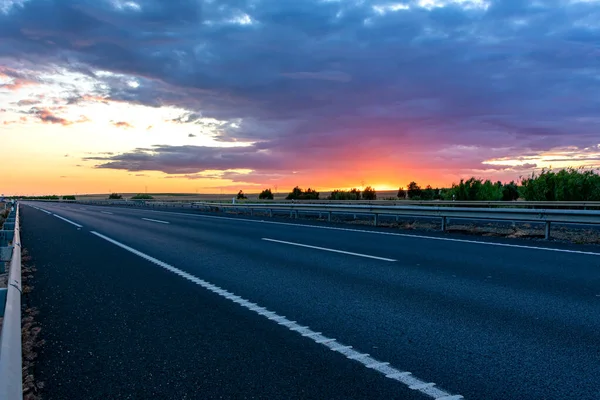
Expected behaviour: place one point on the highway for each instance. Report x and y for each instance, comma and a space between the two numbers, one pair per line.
138, 304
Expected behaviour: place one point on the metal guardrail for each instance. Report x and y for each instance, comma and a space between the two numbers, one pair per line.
444, 213
11, 362
441, 203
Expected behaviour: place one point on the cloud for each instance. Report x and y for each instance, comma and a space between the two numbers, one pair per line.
22, 120
190, 159
28, 102
332, 83
122, 124
46, 116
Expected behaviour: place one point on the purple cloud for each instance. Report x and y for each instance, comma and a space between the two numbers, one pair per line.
331, 83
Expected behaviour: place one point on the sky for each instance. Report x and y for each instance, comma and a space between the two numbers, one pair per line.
207, 96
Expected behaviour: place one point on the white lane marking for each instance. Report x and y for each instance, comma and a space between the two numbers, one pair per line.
47, 212
382, 367
106, 212
69, 221
518, 246
330, 250
155, 220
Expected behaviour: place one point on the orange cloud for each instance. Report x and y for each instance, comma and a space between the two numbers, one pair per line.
123, 124
16, 84
21, 120
47, 117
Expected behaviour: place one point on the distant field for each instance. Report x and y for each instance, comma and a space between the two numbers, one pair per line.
381, 195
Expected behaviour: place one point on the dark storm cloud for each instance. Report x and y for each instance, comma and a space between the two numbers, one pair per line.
190, 159
308, 76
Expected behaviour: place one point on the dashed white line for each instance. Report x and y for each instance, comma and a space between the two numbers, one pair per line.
69, 221
330, 250
106, 212
333, 228
383, 368
156, 220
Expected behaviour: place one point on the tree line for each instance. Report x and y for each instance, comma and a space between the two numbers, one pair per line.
570, 184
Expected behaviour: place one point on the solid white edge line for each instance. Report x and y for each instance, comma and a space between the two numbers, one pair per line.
69, 221
330, 250
156, 220
390, 372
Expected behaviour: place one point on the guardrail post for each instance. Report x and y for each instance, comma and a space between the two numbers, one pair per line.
444, 222
375, 219
296, 214
547, 235
329, 216
251, 212
270, 213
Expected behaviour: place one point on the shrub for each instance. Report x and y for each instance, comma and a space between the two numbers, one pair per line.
69, 197
353, 194
142, 196
241, 196
401, 193
115, 196
50, 197
299, 194
266, 195
369, 193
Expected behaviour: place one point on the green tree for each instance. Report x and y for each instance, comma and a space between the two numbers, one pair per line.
115, 196
241, 195
266, 195
401, 194
414, 191
510, 191
369, 193
299, 194
571, 184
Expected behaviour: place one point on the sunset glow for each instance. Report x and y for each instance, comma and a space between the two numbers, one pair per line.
200, 97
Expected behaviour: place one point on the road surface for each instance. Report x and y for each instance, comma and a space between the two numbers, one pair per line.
142, 304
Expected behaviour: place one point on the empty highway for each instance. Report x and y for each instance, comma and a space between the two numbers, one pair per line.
139, 304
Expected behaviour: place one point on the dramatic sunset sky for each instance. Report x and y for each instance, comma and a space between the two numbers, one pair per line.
212, 95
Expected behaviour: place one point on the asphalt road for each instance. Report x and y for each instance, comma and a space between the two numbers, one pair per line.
128, 310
